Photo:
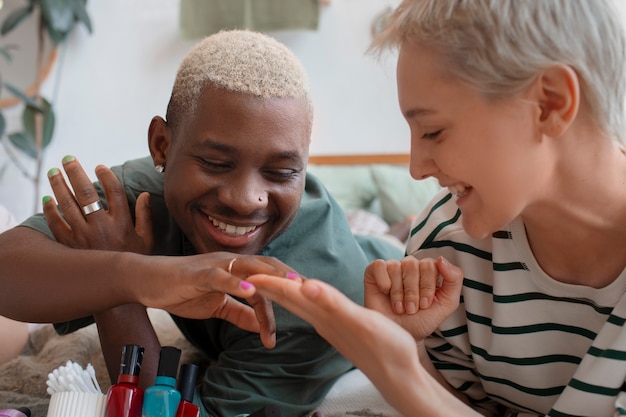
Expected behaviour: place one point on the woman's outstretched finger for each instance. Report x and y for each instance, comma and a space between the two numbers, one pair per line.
285, 292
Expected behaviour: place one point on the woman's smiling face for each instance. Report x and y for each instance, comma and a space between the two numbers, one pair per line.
488, 152
235, 170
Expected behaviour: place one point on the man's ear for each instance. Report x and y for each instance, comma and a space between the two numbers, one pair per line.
159, 140
558, 94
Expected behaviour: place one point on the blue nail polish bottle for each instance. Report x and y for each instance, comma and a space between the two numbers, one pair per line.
162, 398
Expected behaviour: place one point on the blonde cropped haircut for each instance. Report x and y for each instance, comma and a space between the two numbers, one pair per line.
499, 46
239, 61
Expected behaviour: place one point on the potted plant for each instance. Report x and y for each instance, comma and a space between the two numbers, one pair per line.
55, 20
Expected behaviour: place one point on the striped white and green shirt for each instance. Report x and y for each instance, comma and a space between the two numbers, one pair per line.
521, 343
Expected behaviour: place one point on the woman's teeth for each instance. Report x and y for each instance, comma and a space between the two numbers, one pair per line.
231, 229
458, 190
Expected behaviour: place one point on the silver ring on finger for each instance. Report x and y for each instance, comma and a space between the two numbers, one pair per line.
92, 208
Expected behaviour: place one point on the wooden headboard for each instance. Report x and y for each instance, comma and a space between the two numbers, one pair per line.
362, 159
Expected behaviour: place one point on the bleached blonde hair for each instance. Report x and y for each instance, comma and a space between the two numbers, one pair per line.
240, 61
499, 46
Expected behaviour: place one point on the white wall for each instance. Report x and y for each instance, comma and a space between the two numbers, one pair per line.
113, 81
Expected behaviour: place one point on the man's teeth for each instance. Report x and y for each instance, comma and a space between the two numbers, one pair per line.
231, 229
458, 190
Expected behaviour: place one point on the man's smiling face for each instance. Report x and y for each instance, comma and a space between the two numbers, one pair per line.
235, 170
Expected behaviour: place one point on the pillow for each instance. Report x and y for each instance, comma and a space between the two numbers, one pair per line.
352, 185
400, 195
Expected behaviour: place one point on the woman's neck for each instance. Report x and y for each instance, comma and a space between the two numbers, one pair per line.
577, 230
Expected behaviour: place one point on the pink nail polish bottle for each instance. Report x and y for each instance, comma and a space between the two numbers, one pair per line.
15, 412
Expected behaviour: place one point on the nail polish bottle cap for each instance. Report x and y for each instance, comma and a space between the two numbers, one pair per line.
168, 361
187, 381
24, 410
132, 355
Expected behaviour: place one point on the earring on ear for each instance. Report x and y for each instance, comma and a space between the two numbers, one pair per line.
159, 168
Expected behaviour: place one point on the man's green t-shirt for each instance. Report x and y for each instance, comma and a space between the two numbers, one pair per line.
244, 375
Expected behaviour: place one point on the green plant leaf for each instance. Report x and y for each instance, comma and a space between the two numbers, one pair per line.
18, 93
80, 12
3, 124
25, 143
3, 169
58, 15
56, 36
49, 122
6, 54
15, 18
28, 119
5, 51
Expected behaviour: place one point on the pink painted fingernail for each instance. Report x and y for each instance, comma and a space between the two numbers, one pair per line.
293, 275
245, 285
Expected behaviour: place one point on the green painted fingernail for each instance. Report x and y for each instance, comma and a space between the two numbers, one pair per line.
68, 158
53, 172
45, 199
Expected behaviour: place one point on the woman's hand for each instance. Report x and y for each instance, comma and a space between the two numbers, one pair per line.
417, 294
382, 349
359, 333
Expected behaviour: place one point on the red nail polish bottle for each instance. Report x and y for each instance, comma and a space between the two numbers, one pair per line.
186, 386
125, 398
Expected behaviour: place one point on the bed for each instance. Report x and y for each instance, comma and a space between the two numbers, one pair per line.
375, 191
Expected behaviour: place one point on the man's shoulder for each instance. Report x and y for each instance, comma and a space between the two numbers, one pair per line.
139, 175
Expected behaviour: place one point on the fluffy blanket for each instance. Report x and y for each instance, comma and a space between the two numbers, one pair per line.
23, 380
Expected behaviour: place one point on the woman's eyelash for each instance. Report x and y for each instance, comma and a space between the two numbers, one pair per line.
432, 135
